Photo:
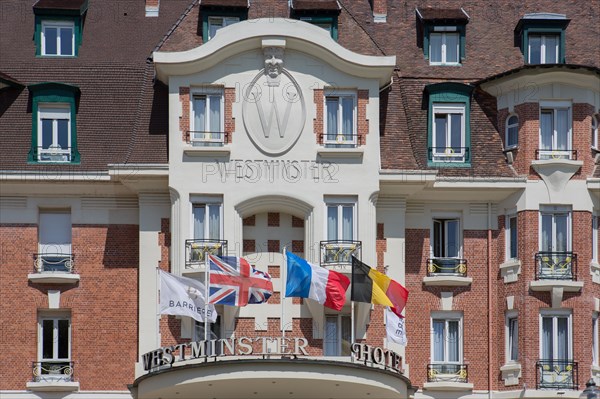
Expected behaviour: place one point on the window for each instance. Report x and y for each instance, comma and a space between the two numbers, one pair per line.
54, 347
216, 23
595, 128
446, 238
214, 333
543, 49
555, 132
58, 38
512, 131
541, 37
54, 241
595, 238
340, 126
337, 335
207, 221
54, 129
329, 23
207, 118
449, 136
58, 27
512, 338
444, 48
556, 337
511, 237
446, 341
595, 340
448, 126
340, 222
555, 256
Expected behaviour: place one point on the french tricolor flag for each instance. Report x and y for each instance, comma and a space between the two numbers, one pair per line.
305, 280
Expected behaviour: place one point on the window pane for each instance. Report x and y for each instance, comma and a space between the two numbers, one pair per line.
332, 223
440, 134
435, 47
347, 224
547, 128
437, 239
513, 237
453, 240
63, 133
63, 339
456, 133
547, 345
561, 239
563, 338
535, 46
214, 223
546, 233
215, 115
347, 117
438, 340
512, 136
54, 233
562, 129
199, 215
451, 47
551, 48
330, 343
453, 341
47, 339
50, 36
214, 24
230, 21
200, 114
46, 133
513, 334
332, 118
346, 335
66, 41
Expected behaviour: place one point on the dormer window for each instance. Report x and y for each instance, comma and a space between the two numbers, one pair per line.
58, 38
58, 27
442, 34
218, 14
321, 13
541, 37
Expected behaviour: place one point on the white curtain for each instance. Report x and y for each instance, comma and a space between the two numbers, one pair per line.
199, 216
215, 117
546, 233
199, 105
347, 117
453, 341
332, 117
562, 129
438, 340
563, 339
561, 221
347, 225
547, 342
547, 129
330, 343
214, 222
453, 240
332, 223
55, 233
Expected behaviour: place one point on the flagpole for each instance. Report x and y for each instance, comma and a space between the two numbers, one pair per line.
352, 318
282, 274
157, 318
206, 283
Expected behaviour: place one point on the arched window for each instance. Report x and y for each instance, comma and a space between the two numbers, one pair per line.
595, 138
512, 131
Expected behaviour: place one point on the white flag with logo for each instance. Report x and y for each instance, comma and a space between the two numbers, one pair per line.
394, 325
183, 296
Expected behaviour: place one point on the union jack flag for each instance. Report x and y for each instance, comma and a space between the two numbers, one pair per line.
234, 282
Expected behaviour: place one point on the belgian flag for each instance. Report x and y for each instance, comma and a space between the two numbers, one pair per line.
371, 286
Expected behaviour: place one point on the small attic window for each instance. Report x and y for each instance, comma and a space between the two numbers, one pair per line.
321, 13
217, 14
442, 34
58, 27
541, 37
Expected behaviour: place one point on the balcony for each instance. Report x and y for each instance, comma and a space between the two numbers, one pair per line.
196, 252
448, 272
54, 153
545, 154
337, 254
556, 374
341, 145
207, 143
556, 272
448, 154
53, 376
54, 268
447, 377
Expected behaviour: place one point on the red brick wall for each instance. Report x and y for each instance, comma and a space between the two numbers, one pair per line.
229, 119
184, 119
103, 342
318, 121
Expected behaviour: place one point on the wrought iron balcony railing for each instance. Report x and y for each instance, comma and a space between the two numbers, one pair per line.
557, 374
53, 263
446, 266
54, 153
556, 266
549, 153
447, 372
52, 371
197, 249
339, 252
198, 137
342, 140
448, 154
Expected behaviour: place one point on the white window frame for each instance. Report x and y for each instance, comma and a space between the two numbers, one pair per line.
55, 316
225, 21
555, 106
511, 315
446, 216
508, 231
447, 316
58, 25
554, 210
198, 201
595, 237
54, 111
339, 135
448, 155
596, 339
595, 131
543, 47
338, 338
340, 204
202, 134
444, 31
511, 126
555, 314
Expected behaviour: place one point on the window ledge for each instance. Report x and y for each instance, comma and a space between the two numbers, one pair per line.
595, 271
511, 372
356, 152
549, 285
448, 386
200, 151
510, 270
53, 278
53, 386
447, 281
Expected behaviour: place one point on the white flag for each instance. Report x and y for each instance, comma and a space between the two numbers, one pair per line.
183, 296
394, 326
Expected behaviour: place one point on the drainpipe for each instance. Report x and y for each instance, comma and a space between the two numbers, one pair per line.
489, 272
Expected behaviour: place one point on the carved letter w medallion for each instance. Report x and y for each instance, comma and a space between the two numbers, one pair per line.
274, 112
